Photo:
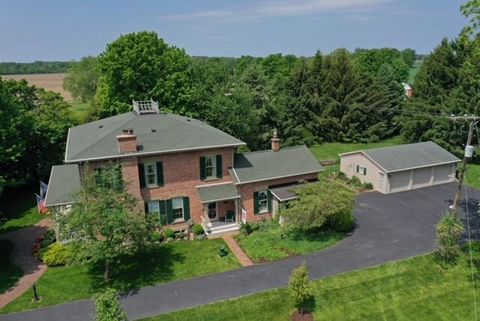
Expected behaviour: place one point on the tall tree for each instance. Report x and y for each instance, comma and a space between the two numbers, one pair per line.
82, 78
140, 66
105, 222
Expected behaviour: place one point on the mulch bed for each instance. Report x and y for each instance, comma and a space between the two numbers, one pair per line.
296, 316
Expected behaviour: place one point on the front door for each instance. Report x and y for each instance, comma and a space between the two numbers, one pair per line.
212, 211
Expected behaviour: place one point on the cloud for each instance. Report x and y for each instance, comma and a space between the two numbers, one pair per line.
276, 8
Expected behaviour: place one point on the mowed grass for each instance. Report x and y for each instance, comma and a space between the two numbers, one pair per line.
79, 110
19, 206
330, 151
9, 273
169, 262
413, 289
275, 243
472, 176
412, 73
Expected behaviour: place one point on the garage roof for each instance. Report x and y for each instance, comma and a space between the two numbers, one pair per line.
409, 156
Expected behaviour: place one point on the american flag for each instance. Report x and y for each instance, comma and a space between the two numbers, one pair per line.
43, 189
42, 209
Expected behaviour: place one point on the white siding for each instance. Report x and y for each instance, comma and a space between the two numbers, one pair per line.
443, 174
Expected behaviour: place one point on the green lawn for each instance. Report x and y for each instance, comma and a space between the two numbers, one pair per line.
414, 71
79, 109
19, 206
9, 273
472, 177
173, 261
413, 289
330, 151
271, 242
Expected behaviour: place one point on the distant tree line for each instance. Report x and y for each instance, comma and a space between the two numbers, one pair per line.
37, 67
341, 96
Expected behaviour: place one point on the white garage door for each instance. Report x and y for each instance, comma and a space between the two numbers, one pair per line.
421, 177
399, 181
442, 174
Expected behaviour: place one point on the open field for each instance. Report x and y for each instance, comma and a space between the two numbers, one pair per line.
413, 289
330, 151
53, 82
414, 71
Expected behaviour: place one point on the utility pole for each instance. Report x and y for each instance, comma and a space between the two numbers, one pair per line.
466, 157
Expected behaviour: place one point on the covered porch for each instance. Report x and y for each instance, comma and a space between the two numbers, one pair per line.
220, 213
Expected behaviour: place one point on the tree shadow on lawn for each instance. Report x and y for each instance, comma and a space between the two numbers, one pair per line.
148, 267
312, 236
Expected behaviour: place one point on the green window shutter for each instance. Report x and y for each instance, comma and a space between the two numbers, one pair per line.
358, 169
160, 181
141, 175
218, 163
169, 211
269, 199
202, 168
255, 203
163, 212
186, 208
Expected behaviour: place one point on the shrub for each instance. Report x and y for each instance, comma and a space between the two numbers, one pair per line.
246, 228
367, 186
341, 175
198, 229
156, 236
57, 254
169, 233
48, 239
107, 307
448, 233
300, 288
342, 221
355, 181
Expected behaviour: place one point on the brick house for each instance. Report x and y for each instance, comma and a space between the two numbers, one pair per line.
181, 170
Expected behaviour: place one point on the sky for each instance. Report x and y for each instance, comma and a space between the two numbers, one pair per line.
68, 30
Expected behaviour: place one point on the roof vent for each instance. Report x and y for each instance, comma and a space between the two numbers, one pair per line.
154, 130
141, 107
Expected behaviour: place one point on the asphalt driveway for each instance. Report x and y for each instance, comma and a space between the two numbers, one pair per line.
390, 227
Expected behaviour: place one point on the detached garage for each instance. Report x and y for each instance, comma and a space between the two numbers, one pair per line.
401, 168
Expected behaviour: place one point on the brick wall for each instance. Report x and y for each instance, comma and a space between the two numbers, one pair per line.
247, 190
181, 175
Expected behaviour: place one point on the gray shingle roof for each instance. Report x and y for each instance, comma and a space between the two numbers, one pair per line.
287, 193
407, 156
265, 165
217, 192
156, 133
64, 183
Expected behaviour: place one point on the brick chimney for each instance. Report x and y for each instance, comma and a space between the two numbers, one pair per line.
127, 142
275, 141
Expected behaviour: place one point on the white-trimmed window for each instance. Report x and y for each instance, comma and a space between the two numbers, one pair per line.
153, 207
361, 170
177, 209
150, 174
263, 201
210, 167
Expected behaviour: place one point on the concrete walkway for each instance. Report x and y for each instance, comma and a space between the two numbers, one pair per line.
22, 257
389, 227
241, 256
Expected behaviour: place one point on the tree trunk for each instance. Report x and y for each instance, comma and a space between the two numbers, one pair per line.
106, 273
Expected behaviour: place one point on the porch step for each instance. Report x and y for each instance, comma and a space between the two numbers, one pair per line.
221, 229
